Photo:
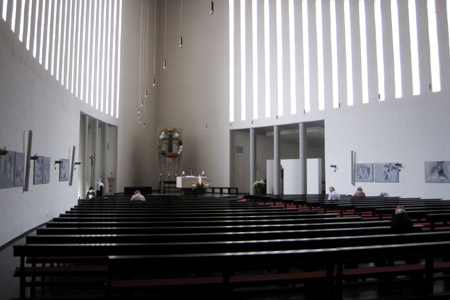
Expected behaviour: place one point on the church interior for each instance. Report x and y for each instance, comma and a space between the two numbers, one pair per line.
233, 118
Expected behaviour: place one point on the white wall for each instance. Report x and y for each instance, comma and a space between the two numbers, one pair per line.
31, 99
190, 91
410, 131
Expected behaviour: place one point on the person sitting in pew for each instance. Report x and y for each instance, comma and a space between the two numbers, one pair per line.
137, 196
90, 193
359, 192
400, 221
333, 194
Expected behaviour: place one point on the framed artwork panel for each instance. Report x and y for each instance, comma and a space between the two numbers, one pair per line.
46, 170
437, 171
386, 172
64, 170
19, 169
7, 170
364, 173
38, 168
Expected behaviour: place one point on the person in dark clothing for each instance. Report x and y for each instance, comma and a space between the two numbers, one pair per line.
400, 221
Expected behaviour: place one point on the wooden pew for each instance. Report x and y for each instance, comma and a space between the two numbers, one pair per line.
206, 237
115, 222
330, 259
206, 229
99, 250
418, 214
433, 218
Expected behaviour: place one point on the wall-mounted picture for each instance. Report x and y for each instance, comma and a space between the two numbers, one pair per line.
386, 172
437, 171
37, 174
364, 173
46, 170
19, 169
7, 170
64, 170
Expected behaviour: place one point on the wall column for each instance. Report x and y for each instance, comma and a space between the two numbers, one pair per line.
85, 158
302, 156
252, 159
276, 160
96, 154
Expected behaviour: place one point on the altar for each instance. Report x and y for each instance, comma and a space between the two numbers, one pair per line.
186, 182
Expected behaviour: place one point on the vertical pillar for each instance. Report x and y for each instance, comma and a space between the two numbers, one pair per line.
302, 156
252, 159
104, 157
96, 154
85, 159
276, 160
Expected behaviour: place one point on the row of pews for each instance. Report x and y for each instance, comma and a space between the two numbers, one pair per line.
434, 212
220, 246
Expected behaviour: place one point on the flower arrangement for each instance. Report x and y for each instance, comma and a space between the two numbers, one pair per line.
259, 187
200, 184
258, 183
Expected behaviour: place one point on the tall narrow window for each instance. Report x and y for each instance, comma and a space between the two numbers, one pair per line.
434, 46
22, 20
36, 22
79, 30
334, 60
379, 44
73, 65
30, 10
414, 46
267, 56
396, 45
55, 15
93, 57
292, 57
13, 16
364, 71
306, 55
104, 24
41, 43
108, 58
85, 13
58, 62
255, 57
69, 39
320, 67
119, 42
64, 41
114, 58
4, 9
280, 89
348, 52
243, 63
99, 47
47, 45
231, 50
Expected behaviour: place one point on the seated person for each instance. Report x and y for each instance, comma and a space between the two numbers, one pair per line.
400, 221
137, 196
90, 193
359, 192
333, 194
